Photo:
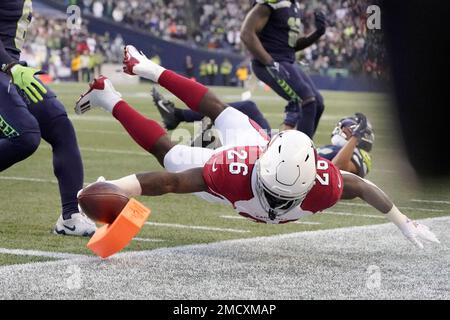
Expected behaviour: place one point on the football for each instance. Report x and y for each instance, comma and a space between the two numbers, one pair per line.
102, 202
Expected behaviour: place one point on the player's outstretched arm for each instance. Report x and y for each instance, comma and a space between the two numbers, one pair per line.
343, 160
160, 183
356, 187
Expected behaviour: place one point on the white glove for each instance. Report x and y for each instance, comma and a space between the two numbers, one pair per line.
415, 232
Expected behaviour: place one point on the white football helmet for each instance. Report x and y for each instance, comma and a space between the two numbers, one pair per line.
286, 172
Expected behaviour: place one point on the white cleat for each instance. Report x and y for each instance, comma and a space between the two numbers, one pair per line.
101, 94
135, 63
78, 225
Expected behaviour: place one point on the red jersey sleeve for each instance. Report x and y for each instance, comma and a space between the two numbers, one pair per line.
328, 188
228, 173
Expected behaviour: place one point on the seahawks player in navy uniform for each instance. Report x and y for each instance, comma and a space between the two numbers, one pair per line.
351, 143
29, 111
271, 32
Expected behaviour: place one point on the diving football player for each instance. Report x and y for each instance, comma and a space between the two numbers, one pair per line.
276, 180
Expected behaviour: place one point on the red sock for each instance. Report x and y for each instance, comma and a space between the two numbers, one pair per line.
188, 91
144, 131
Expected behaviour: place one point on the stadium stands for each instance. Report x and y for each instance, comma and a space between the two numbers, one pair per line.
215, 25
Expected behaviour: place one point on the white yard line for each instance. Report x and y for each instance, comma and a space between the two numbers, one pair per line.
354, 214
93, 118
204, 228
148, 240
27, 179
113, 151
350, 204
431, 201
102, 131
43, 254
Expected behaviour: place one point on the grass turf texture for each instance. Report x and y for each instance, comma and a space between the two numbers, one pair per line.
29, 209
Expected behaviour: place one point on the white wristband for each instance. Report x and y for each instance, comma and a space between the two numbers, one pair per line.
129, 184
396, 217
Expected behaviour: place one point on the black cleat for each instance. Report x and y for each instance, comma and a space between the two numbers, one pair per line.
167, 110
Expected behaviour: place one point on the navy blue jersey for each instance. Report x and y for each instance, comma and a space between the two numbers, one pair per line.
279, 36
15, 16
360, 158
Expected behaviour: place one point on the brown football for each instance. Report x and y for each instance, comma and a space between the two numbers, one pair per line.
102, 202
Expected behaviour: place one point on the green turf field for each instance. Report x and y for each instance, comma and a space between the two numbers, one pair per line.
30, 201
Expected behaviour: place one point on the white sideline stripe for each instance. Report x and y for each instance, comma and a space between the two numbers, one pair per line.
295, 222
130, 254
182, 226
431, 201
354, 214
369, 206
43, 254
148, 240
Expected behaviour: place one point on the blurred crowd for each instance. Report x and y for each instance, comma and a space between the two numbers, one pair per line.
216, 24
347, 47
68, 53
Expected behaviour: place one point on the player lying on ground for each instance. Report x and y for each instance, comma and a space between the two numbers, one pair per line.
267, 181
349, 149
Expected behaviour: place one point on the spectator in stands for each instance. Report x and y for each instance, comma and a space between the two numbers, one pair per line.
203, 71
242, 75
76, 68
189, 65
212, 69
225, 70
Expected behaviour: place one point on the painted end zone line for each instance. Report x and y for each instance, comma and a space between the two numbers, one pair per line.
182, 226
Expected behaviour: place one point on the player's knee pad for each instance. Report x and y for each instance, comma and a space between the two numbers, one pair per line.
309, 102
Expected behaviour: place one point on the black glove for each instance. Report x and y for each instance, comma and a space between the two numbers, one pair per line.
320, 21
277, 71
360, 129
